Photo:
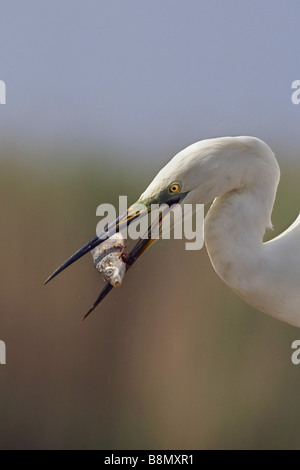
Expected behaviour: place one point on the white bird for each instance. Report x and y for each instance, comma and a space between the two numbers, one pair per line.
240, 175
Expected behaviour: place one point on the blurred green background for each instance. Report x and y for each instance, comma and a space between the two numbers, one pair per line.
100, 95
172, 359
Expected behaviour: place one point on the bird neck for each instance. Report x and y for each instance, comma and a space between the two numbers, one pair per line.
234, 229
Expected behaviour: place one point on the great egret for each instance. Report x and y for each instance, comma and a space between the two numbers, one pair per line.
240, 175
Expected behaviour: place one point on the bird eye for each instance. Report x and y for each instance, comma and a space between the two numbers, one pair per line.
174, 188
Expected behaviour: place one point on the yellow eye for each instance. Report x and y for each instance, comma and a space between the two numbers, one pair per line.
174, 188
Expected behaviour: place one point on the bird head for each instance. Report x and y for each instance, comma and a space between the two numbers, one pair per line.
197, 174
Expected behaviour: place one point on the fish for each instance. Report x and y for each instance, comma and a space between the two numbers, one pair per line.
109, 259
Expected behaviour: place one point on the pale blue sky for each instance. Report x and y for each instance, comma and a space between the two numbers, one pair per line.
149, 76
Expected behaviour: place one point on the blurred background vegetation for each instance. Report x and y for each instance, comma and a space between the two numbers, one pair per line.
101, 94
172, 359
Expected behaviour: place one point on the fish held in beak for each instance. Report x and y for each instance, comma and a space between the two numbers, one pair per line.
108, 259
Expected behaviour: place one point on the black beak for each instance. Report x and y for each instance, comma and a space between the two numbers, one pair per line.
116, 226
134, 212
